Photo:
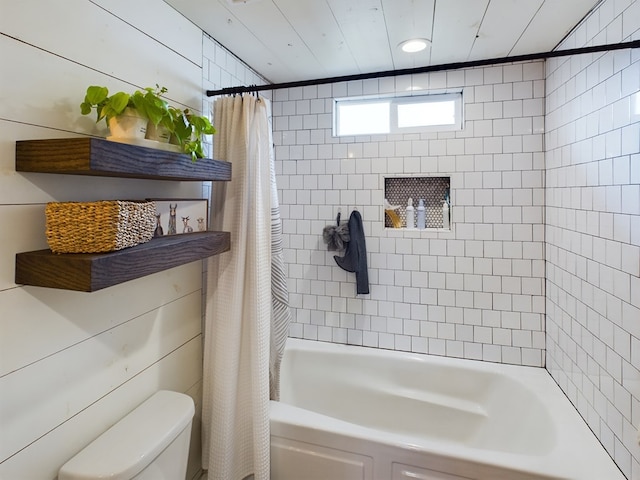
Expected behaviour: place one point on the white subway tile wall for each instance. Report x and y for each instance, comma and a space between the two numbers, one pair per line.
593, 228
222, 69
475, 292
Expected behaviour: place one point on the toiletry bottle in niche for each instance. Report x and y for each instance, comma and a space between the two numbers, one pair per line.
421, 214
410, 214
446, 222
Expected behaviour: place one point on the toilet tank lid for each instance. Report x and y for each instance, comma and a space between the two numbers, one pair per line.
134, 442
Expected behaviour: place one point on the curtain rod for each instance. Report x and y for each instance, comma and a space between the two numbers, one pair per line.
429, 68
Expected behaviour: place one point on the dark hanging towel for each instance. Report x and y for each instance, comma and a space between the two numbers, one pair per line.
355, 255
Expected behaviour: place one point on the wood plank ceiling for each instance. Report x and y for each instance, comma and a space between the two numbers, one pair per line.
290, 40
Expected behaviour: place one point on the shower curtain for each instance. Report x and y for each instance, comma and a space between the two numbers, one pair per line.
247, 312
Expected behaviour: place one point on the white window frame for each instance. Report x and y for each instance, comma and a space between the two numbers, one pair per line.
394, 101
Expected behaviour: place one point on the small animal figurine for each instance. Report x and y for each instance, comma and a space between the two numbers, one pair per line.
201, 226
172, 219
187, 228
158, 231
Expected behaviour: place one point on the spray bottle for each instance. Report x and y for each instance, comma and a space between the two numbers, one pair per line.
422, 219
446, 223
410, 214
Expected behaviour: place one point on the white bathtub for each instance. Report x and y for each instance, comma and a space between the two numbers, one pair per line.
351, 413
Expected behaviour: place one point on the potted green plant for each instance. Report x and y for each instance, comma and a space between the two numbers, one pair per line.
127, 115
188, 131
146, 112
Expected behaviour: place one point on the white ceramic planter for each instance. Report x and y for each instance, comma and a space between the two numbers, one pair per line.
129, 125
158, 133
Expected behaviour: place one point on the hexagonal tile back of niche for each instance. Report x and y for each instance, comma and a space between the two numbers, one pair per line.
398, 190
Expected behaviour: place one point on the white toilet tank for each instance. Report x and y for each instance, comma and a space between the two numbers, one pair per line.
150, 443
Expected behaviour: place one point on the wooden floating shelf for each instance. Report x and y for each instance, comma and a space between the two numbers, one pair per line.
90, 272
101, 157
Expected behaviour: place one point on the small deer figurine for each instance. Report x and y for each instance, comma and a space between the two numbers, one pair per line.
158, 231
201, 226
172, 219
187, 228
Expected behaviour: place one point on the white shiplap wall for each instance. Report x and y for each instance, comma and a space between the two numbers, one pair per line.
593, 228
72, 363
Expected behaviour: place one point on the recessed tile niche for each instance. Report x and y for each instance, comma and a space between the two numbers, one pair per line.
431, 189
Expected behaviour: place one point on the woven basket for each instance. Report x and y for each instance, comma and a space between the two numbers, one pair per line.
94, 227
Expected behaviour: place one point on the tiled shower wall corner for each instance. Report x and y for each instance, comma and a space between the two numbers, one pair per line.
476, 291
593, 228
222, 69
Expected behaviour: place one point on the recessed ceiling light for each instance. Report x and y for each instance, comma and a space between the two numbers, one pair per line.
414, 45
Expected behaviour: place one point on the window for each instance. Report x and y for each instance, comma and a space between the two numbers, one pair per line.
363, 117
402, 114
